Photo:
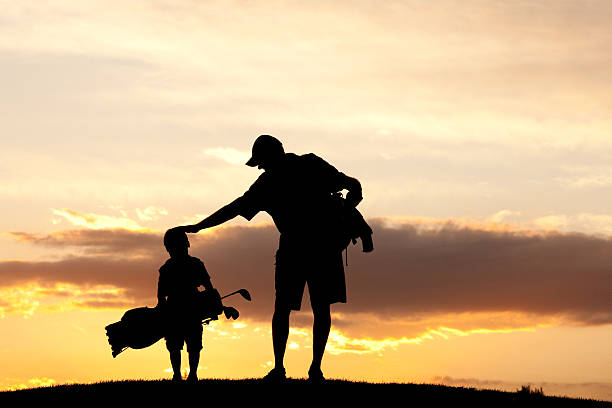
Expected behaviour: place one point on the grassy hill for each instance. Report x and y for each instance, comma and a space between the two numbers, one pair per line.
247, 393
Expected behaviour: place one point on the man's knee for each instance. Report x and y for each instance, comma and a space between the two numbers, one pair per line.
281, 312
321, 311
281, 308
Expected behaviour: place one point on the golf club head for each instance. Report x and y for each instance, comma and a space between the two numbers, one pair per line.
230, 312
245, 294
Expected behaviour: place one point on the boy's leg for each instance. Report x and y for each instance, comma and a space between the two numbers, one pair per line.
194, 346
174, 345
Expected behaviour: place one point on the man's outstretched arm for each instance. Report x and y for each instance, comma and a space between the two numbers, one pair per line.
219, 217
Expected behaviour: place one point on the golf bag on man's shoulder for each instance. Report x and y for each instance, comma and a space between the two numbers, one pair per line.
351, 225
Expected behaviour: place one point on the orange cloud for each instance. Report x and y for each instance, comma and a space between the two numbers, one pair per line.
364, 325
109, 242
418, 270
340, 343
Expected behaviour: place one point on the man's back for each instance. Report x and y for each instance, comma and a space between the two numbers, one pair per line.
297, 194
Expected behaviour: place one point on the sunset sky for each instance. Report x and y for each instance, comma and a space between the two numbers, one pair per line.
481, 132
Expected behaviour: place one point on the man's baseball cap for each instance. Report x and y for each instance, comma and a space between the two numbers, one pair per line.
264, 146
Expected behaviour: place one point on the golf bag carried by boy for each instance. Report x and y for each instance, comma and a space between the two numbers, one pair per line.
180, 312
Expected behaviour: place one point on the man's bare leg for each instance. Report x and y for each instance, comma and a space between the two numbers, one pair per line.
175, 360
280, 334
194, 360
320, 332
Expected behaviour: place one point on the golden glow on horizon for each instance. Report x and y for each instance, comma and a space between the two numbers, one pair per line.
32, 383
18, 300
339, 343
246, 352
32, 297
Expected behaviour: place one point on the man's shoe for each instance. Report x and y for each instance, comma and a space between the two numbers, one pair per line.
315, 376
275, 375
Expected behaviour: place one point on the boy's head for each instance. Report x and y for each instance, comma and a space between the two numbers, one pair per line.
176, 242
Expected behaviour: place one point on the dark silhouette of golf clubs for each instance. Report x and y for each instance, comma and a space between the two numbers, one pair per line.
242, 292
228, 311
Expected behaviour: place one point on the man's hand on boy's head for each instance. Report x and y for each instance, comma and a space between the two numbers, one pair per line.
190, 229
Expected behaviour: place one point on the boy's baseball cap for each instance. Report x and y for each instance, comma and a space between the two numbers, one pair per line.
264, 146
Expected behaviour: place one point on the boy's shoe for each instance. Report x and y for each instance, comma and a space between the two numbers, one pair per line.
192, 379
276, 375
315, 376
177, 378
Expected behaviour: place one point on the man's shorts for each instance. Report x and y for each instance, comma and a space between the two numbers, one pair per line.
180, 332
321, 269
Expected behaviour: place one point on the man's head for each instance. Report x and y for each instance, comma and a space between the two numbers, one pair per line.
267, 151
176, 242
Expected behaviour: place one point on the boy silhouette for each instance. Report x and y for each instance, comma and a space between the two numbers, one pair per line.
177, 296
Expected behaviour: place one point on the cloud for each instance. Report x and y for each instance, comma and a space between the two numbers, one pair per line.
416, 325
340, 343
151, 213
17, 300
26, 299
97, 221
535, 82
504, 216
583, 222
591, 176
228, 154
112, 242
453, 269
135, 278
422, 276
552, 222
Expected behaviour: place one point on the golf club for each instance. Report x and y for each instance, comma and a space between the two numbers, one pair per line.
243, 292
230, 312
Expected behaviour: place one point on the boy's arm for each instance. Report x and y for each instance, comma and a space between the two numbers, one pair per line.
206, 282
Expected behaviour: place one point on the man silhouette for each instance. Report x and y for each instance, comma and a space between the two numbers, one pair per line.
297, 191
